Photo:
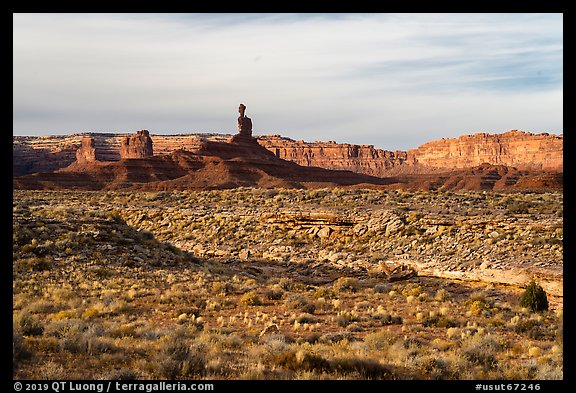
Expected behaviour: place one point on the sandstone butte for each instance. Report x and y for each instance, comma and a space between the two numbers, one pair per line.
522, 150
237, 162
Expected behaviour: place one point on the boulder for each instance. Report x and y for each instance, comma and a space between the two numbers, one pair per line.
269, 330
324, 232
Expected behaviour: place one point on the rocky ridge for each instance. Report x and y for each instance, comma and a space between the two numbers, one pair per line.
482, 237
489, 237
519, 149
215, 165
358, 158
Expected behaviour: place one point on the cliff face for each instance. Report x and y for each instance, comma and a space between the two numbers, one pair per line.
216, 165
515, 148
137, 146
519, 149
48, 153
87, 151
331, 155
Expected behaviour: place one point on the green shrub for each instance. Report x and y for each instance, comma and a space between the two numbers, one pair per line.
534, 298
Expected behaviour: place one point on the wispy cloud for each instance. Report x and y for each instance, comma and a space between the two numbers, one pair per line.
392, 80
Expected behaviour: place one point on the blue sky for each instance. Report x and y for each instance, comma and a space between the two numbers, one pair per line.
391, 80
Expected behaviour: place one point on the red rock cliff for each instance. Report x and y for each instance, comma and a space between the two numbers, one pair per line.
137, 146
87, 151
523, 150
514, 148
331, 155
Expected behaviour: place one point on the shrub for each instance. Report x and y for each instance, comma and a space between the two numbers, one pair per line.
52, 370
439, 322
222, 288
298, 302
481, 350
34, 264
363, 368
477, 303
325, 292
27, 324
345, 318
87, 340
381, 288
534, 298
412, 289
251, 299
89, 313
348, 284
177, 359
274, 294
301, 360
379, 340
19, 352
518, 207
286, 284
442, 295
388, 319
124, 374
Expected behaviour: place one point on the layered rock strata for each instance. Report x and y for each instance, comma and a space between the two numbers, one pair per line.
87, 151
331, 155
519, 149
137, 146
217, 165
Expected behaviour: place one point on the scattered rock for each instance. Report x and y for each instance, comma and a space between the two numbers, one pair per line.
324, 232
244, 254
269, 330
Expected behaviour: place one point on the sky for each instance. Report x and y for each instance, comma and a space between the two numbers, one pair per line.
394, 81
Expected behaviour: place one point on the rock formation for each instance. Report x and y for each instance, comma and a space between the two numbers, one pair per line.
87, 151
137, 146
244, 127
216, 165
331, 155
31, 154
522, 150
244, 122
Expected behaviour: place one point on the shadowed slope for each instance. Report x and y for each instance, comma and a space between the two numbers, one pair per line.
217, 165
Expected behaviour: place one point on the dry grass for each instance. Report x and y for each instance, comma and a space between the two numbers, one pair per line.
105, 282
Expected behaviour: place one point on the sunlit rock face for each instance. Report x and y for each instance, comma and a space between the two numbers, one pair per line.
137, 146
